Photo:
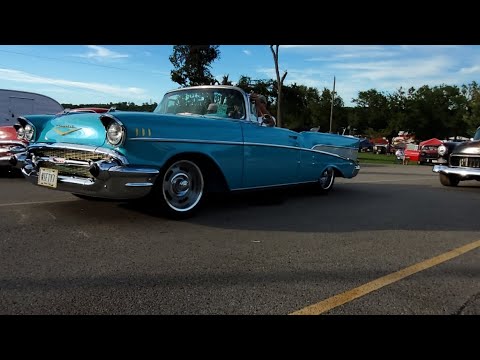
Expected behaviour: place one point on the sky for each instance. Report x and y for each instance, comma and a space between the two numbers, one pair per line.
82, 74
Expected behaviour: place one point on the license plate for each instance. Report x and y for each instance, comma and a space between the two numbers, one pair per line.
48, 177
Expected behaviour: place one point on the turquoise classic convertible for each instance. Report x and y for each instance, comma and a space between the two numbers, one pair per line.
199, 139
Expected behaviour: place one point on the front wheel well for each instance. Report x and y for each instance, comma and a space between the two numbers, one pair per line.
214, 178
338, 172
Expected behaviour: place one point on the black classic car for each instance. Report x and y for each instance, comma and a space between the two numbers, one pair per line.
459, 161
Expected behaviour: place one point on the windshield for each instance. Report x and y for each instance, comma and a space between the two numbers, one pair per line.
212, 102
477, 135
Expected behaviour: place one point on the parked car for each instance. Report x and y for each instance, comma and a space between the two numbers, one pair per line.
185, 148
460, 161
10, 144
428, 154
381, 146
365, 145
411, 152
97, 110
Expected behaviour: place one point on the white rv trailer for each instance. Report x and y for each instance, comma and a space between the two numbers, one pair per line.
15, 103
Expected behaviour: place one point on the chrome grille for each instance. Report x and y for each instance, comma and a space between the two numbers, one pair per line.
69, 154
465, 161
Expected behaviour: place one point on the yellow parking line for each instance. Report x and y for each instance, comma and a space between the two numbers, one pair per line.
343, 298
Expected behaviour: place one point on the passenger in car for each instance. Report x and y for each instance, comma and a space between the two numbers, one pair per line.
263, 115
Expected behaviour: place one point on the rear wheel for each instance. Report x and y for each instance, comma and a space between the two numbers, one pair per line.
448, 180
180, 189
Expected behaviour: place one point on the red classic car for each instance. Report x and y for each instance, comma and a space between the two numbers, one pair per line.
10, 144
429, 151
411, 152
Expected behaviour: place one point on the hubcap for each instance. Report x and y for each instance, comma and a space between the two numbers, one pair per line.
326, 178
183, 185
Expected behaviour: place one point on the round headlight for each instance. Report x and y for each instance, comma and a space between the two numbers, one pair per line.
442, 150
21, 133
29, 131
115, 133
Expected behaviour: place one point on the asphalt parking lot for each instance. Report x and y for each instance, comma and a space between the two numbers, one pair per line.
345, 253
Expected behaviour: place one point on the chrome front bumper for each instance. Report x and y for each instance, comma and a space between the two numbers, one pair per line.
356, 170
5, 160
112, 179
462, 172
7, 154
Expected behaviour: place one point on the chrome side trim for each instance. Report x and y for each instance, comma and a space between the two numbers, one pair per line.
146, 184
463, 172
220, 142
186, 141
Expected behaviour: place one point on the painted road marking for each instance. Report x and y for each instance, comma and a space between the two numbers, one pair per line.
343, 298
38, 202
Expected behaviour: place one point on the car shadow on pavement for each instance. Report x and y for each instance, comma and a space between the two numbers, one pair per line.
348, 207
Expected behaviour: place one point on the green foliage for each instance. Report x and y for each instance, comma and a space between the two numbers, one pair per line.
440, 111
192, 64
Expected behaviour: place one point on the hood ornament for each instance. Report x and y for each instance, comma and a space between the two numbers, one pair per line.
70, 129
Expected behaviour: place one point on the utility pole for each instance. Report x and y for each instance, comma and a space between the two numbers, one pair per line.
331, 107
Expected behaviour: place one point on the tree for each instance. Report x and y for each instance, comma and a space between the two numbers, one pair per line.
192, 64
374, 111
225, 80
279, 84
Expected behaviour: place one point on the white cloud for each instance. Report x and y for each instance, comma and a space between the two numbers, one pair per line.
428, 48
101, 53
117, 91
470, 70
335, 47
354, 55
247, 52
399, 69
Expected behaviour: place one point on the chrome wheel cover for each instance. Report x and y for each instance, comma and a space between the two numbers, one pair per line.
182, 185
326, 179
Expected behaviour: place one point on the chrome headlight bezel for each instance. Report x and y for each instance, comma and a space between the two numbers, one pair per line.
29, 132
115, 133
21, 133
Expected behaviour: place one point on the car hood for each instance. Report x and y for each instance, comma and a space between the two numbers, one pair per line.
468, 147
8, 133
82, 128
